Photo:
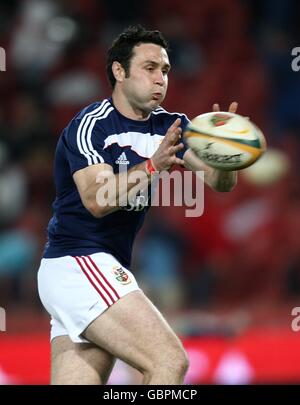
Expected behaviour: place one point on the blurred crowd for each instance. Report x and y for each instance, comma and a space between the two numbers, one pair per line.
244, 251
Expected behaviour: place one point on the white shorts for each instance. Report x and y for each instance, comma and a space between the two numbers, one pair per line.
76, 290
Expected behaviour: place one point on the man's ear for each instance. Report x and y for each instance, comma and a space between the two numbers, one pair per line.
118, 71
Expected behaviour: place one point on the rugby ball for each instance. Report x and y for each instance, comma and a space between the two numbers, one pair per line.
224, 140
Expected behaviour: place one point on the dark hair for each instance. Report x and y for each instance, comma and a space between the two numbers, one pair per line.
122, 47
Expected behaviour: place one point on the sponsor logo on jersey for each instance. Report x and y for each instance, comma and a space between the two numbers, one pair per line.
122, 159
121, 275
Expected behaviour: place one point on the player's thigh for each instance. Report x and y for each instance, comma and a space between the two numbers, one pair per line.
79, 363
134, 330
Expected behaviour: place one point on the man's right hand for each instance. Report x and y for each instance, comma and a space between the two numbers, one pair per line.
165, 156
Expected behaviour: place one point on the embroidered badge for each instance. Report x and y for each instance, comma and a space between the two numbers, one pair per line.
121, 275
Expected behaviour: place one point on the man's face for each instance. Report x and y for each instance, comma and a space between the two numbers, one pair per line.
146, 86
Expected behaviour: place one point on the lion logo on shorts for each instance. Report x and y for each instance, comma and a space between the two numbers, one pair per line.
121, 275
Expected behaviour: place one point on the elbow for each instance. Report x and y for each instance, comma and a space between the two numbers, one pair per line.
95, 210
99, 210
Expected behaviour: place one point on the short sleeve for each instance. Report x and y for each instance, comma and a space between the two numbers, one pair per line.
84, 142
184, 122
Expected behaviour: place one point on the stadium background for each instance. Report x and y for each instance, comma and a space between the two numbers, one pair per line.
227, 281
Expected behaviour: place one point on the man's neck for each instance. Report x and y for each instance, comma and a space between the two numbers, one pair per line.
128, 110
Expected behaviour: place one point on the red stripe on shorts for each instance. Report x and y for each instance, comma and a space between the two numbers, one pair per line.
104, 278
91, 281
98, 279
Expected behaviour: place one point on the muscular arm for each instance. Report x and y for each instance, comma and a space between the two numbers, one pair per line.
90, 180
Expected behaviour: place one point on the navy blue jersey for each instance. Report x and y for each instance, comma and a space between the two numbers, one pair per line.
100, 134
